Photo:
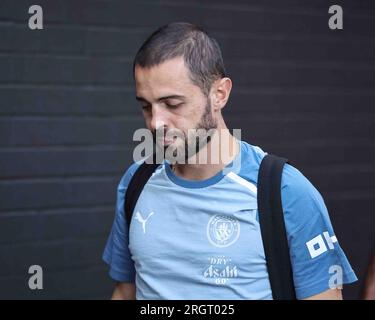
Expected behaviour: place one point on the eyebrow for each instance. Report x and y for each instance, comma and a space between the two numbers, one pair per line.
173, 96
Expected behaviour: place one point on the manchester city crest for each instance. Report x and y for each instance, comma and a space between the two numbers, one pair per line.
222, 231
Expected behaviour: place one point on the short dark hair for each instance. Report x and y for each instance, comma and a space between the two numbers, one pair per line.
201, 53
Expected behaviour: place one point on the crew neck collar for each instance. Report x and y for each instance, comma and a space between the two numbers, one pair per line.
187, 183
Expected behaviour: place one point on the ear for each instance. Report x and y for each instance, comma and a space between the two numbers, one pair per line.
220, 92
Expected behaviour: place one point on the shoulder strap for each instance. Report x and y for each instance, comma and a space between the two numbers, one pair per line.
271, 219
135, 187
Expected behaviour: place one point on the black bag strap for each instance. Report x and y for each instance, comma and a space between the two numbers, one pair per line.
135, 187
271, 219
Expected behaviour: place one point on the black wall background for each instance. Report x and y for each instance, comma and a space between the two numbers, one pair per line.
67, 114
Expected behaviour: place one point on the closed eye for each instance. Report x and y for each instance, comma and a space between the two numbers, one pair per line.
146, 107
173, 106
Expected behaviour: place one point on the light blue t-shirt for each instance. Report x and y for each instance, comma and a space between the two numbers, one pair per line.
201, 239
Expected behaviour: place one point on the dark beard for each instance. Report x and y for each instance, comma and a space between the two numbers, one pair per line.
206, 122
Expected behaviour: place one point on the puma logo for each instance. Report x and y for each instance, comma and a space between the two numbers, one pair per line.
142, 220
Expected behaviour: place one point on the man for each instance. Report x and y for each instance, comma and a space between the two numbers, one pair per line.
195, 230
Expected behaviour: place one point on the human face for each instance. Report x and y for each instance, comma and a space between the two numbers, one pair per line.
172, 103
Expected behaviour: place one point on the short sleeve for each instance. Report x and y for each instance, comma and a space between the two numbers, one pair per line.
116, 253
318, 261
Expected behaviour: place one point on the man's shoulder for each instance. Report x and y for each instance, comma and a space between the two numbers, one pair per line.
295, 184
301, 201
128, 175
252, 153
293, 181
251, 158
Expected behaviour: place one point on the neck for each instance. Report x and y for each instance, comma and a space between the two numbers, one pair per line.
211, 159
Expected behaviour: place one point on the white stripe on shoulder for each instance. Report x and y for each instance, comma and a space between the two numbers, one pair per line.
243, 182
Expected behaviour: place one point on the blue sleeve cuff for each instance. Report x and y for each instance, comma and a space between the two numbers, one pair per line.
116, 274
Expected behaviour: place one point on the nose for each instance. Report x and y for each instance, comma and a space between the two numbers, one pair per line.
158, 118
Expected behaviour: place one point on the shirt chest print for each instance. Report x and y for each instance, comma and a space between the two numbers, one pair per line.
142, 220
223, 231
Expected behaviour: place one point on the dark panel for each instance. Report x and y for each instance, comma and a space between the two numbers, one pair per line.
57, 192
67, 131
